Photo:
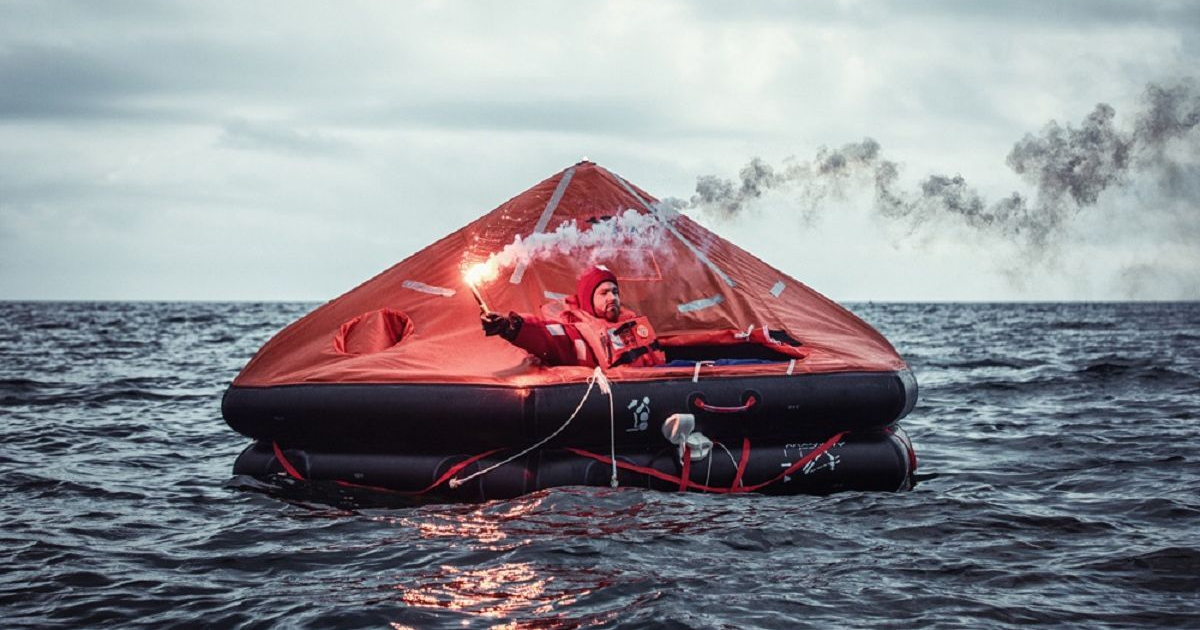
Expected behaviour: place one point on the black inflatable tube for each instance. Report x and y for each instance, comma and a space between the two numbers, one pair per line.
875, 461
386, 416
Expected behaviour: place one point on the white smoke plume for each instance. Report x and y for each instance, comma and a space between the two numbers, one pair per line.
1068, 168
602, 240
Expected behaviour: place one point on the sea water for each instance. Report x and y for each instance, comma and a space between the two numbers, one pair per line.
1060, 445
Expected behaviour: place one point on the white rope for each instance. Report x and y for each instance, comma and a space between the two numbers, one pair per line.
727, 452
596, 377
732, 460
612, 425
708, 475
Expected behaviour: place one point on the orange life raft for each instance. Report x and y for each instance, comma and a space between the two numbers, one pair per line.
394, 385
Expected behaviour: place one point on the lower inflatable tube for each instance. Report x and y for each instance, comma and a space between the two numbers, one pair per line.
875, 461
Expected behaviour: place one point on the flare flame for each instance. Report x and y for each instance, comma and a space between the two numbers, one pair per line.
477, 273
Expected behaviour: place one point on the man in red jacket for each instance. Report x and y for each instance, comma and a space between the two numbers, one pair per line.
592, 330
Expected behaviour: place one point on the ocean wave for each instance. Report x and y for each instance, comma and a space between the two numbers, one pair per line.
1061, 465
1170, 569
992, 362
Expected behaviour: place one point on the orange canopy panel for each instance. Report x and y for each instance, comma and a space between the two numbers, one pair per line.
417, 322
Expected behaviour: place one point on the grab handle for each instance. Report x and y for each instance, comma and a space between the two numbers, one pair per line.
751, 400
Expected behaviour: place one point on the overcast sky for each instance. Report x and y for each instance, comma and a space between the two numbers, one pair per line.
290, 150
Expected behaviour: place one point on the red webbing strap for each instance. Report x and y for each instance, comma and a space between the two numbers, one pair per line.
908, 448
454, 470
684, 483
283, 461
800, 463
741, 469
686, 475
703, 406
363, 486
645, 470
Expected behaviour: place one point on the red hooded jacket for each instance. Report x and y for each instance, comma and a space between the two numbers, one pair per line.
570, 333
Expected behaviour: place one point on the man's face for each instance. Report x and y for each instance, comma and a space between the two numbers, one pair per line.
606, 301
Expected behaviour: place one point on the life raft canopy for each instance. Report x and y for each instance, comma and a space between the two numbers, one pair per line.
417, 322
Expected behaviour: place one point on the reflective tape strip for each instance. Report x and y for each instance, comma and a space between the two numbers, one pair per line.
699, 254
544, 220
554, 296
581, 351
778, 288
696, 305
556, 330
791, 366
425, 288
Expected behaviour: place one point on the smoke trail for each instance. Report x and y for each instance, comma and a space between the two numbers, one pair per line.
603, 240
721, 196
1069, 168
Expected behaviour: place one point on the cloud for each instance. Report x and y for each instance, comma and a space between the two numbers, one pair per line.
279, 136
391, 124
1081, 14
54, 82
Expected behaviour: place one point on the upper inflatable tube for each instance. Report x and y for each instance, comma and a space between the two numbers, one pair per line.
439, 415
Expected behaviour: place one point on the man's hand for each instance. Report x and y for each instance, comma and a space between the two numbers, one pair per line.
497, 324
494, 323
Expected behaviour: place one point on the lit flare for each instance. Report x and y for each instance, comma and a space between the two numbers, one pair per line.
478, 273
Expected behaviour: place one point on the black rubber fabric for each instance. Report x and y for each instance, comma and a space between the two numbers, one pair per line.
477, 417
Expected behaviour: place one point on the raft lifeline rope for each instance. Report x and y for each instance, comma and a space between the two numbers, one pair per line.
597, 378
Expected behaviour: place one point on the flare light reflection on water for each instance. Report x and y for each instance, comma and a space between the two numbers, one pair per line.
514, 592
501, 526
512, 589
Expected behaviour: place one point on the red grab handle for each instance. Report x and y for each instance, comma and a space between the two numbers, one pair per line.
703, 406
